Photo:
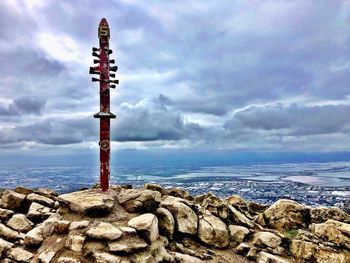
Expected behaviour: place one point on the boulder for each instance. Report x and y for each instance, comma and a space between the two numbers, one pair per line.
139, 200
75, 242
127, 245
242, 249
186, 220
178, 192
61, 226
12, 200
212, 231
34, 237
65, 259
46, 256
8, 233
166, 221
214, 205
285, 215
183, 258
20, 223
4, 246
327, 255
78, 224
5, 214
104, 231
104, 257
267, 258
146, 225
266, 239
20, 255
322, 214
23, 190
333, 231
40, 199
156, 187
303, 250
238, 233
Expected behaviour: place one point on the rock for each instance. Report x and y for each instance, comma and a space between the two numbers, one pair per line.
303, 250
40, 199
242, 249
34, 237
12, 200
35, 212
20, 255
23, 190
156, 187
67, 260
103, 257
286, 214
75, 242
4, 246
130, 245
214, 205
49, 225
8, 233
178, 192
139, 200
146, 225
47, 256
333, 231
104, 231
267, 258
322, 214
183, 258
238, 233
5, 214
166, 221
326, 255
266, 239
186, 220
61, 226
78, 224
20, 223
128, 231
90, 202
46, 192
212, 231
238, 218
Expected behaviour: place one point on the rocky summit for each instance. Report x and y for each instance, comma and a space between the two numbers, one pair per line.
154, 224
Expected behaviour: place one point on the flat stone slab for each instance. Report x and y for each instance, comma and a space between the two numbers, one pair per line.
90, 202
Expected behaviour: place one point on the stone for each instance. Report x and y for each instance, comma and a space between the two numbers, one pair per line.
23, 190
5, 214
146, 225
78, 224
104, 257
47, 256
166, 221
34, 237
238, 233
67, 260
75, 242
20, 223
183, 258
186, 220
156, 187
214, 205
20, 255
322, 214
129, 245
104, 231
8, 234
46, 192
267, 258
181, 193
139, 200
286, 214
12, 200
128, 231
242, 249
49, 225
239, 218
90, 202
40, 199
4, 246
61, 226
333, 231
326, 255
303, 250
212, 231
266, 239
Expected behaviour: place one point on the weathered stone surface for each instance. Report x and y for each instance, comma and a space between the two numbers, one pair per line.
12, 200
104, 257
104, 231
238, 233
40, 199
322, 214
286, 214
5, 214
20, 255
326, 255
34, 237
128, 245
238, 218
8, 234
302, 250
75, 242
68, 260
89, 202
166, 221
20, 223
46, 256
267, 258
242, 249
46, 192
146, 225
156, 187
139, 200
61, 226
79, 224
23, 190
183, 258
186, 220
333, 231
262, 239
178, 192
4, 246
214, 205
212, 231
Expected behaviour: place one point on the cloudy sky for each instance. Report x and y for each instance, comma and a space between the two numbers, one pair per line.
231, 75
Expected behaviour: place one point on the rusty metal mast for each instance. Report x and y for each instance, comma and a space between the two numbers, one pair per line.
103, 69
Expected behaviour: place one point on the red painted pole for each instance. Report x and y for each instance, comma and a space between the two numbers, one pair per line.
103, 69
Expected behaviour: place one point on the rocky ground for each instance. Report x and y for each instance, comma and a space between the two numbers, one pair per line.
153, 224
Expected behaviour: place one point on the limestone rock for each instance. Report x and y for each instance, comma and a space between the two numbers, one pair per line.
238, 233
214, 205
104, 257
104, 231
267, 258
75, 242
322, 214
139, 200
212, 231
20, 255
79, 224
20, 223
146, 225
178, 192
61, 226
286, 214
8, 233
238, 218
166, 221
128, 245
40, 199
4, 246
156, 187
12, 200
34, 237
89, 202
242, 249
262, 239
183, 258
5, 214
186, 220
23, 190
326, 255
303, 250
46, 256
67, 260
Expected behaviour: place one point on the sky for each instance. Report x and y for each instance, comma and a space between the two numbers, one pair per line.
242, 75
